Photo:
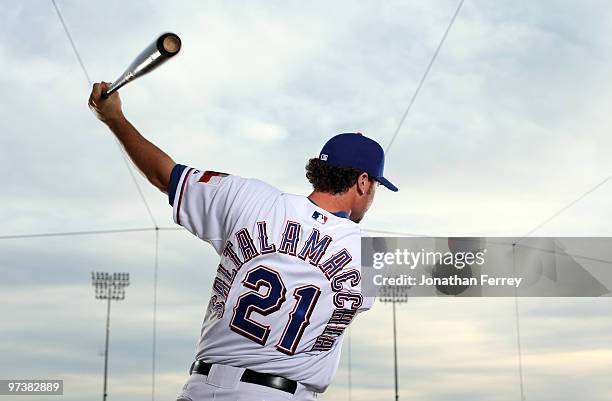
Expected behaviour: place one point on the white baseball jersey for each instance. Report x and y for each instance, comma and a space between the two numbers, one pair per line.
288, 282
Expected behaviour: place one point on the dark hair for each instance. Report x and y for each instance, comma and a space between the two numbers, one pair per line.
330, 179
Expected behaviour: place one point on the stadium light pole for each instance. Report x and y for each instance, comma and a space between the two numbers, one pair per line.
109, 287
394, 294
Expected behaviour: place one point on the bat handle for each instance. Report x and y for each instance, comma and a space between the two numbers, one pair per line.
114, 87
109, 91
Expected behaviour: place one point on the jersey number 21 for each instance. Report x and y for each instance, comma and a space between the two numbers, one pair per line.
252, 301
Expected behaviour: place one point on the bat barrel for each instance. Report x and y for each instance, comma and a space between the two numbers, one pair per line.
166, 46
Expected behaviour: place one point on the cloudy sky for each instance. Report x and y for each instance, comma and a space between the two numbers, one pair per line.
512, 124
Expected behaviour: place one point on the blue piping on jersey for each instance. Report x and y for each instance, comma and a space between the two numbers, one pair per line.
342, 214
175, 177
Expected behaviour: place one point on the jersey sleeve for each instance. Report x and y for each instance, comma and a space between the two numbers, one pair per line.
209, 204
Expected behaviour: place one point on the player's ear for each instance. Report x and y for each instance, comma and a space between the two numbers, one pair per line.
362, 183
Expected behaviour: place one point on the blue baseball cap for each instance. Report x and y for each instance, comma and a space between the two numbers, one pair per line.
357, 151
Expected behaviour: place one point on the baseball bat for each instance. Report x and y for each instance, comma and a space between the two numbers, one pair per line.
163, 48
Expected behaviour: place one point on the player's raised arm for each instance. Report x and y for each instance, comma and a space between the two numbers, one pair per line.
150, 160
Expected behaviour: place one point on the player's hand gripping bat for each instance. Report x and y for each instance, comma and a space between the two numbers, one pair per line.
166, 46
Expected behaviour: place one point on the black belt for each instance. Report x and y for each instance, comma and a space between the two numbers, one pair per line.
250, 376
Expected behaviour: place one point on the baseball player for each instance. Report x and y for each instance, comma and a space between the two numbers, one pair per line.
288, 282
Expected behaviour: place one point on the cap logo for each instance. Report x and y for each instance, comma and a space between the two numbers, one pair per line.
323, 157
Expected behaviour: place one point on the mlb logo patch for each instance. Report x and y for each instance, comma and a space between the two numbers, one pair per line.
323, 157
321, 218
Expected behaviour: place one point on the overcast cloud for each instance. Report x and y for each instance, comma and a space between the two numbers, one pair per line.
512, 124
